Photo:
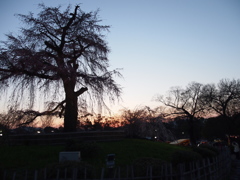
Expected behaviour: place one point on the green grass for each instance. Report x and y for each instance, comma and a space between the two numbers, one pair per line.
126, 152
129, 150
28, 156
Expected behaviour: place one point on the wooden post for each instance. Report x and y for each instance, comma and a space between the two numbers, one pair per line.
180, 171
127, 168
5, 175
45, 174
57, 174
85, 173
35, 175
14, 175
192, 170
119, 173
26, 174
114, 173
166, 171
102, 173
171, 171
215, 166
65, 173
198, 168
75, 172
205, 169
132, 172
209, 167
162, 174
147, 171
150, 172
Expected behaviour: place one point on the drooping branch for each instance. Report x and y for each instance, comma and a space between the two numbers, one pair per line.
31, 115
12, 72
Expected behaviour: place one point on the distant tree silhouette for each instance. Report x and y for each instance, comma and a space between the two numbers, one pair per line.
224, 100
98, 122
185, 103
134, 119
145, 122
58, 52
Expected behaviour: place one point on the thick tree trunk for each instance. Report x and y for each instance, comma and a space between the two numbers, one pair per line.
71, 114
71, 110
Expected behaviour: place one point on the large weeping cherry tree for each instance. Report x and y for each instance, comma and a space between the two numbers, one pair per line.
58, 51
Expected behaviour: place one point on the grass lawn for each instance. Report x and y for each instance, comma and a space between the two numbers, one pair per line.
130, 149
28, 156
126, 151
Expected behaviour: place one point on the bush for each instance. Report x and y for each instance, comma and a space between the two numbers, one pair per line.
181, 156
204, 152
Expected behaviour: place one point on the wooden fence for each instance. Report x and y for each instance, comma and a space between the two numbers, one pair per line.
217, 168
61, 138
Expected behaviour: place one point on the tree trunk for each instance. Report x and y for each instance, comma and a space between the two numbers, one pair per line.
192, 135
71, 110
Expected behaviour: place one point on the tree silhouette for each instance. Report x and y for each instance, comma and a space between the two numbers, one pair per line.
224, 100
58, 51
186, 103
146, 122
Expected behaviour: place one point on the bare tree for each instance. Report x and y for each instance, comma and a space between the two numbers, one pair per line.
185, 103
58, 52
224, 99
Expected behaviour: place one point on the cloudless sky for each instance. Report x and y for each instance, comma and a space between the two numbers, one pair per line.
157, 43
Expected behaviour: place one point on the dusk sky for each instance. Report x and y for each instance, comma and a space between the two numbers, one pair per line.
157, 43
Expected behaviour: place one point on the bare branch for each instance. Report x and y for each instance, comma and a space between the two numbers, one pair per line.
81, 91
31, 115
